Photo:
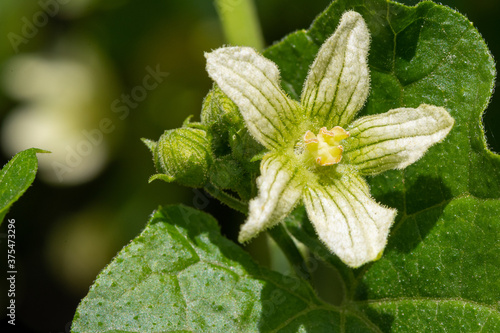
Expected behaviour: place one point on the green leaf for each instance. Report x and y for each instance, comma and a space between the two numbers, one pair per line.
181, 275
440, 271
441, 267
16, 176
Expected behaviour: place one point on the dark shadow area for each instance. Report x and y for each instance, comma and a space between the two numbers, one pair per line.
430, 196
382, 320
413, 230
388, 189
425, 192
425, 201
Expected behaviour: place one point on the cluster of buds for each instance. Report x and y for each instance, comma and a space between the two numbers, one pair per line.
217, 151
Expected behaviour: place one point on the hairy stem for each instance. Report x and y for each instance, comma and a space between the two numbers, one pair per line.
292, 253
227, 199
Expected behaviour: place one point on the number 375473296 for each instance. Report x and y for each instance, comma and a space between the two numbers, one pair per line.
11, 244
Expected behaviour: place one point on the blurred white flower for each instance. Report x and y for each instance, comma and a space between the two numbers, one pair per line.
63, 100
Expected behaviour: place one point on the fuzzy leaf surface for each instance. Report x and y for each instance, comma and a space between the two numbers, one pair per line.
16, 176
181, 275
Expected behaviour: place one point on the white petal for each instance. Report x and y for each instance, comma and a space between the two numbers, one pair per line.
252, 82
280, 188
348, 220
338, 83
397, 138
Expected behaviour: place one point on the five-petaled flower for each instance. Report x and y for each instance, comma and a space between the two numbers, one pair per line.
317, 153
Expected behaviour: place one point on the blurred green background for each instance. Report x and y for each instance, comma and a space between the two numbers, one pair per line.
84, 70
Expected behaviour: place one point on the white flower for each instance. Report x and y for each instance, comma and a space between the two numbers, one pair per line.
326, 170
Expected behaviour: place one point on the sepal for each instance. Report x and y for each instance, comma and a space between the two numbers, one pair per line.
160, 176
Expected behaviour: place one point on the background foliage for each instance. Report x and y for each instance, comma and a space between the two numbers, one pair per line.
66, 234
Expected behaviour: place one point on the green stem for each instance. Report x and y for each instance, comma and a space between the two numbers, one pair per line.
292, 253
227, 199
240, 23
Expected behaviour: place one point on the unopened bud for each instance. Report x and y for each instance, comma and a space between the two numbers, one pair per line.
221, 117
182, 155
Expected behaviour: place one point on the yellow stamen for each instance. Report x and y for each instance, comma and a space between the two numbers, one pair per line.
309, 136
339, 133
325, 148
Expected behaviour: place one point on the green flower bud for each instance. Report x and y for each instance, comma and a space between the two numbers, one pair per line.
218, 109
220, 116
182, 155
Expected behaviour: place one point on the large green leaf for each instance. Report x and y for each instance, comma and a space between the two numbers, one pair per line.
181, 275
16, 176
441, 269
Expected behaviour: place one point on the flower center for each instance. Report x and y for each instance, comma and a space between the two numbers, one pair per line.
324, 147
